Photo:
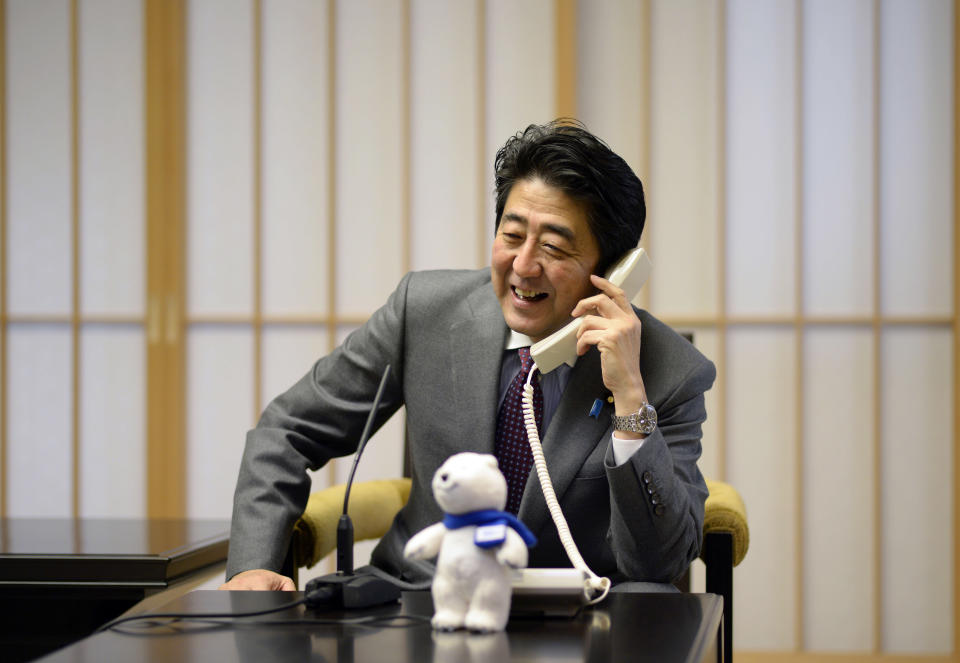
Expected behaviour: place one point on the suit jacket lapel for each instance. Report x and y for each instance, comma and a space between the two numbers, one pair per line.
477, 342
572, 436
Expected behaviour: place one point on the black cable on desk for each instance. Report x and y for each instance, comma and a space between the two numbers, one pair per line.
200, 615
208, 616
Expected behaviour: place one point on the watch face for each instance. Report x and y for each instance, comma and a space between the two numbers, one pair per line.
648, 419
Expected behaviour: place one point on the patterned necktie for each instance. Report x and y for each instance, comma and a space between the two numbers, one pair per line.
512, 447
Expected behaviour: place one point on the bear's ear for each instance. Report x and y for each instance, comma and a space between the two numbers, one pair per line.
491, 461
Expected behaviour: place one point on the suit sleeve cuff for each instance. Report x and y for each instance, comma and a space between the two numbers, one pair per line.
624, 448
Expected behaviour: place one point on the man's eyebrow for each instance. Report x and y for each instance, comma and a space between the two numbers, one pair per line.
513, 216
556, 229
563, 231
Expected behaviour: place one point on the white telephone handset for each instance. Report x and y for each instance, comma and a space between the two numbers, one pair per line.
628, 273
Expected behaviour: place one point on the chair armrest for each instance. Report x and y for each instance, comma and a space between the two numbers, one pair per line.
724, 512
373, 505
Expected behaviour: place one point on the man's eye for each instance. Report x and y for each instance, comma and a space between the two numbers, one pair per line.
552, 248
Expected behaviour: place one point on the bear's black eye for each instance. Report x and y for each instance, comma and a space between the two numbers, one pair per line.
444, 477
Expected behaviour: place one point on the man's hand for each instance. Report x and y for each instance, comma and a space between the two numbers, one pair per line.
610, 324
260, 579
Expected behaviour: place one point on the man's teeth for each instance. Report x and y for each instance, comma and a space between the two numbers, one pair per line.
527, 294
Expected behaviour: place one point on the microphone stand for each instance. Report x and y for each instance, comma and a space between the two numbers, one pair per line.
345, 589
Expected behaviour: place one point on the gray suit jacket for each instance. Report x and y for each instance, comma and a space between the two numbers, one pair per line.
444, 334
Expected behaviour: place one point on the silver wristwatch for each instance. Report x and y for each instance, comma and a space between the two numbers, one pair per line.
642, 421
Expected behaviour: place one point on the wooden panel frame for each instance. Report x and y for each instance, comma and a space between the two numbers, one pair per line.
645, 116
877, 325
956, 326
798, 327
331, 320
3, 259
165, 125
257, 261
75, 256
565, 58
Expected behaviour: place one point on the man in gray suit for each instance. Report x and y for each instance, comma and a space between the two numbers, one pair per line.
567, 207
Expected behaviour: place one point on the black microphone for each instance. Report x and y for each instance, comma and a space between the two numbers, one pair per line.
344, 589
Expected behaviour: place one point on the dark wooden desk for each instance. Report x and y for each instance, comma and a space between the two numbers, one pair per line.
626, 627
62, 578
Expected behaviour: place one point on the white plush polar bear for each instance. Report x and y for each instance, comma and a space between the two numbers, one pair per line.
476, 545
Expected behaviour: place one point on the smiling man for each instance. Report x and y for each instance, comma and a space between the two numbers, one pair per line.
543, 256
621, 429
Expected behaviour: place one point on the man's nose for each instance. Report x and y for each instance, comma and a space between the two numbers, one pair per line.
526, 263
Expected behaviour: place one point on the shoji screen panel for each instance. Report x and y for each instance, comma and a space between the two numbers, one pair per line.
39, 161
838, 157
839, 578
761, 361
112, 459
38, 261
762, 439
448, 189
220, 154
220, 394
371, 155
916, 158
295, 160
918, 549
761, 157
39, 411
220, 248
73, 110
683, 209
611, 51
112, 252
916, 219
838, 457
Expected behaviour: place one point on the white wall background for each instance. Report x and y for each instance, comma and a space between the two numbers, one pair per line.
800, 168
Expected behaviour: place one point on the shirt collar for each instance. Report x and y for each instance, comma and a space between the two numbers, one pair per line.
517, 340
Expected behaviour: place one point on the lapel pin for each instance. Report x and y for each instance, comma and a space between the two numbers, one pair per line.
595, 410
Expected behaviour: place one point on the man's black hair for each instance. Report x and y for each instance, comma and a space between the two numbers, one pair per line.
566, 156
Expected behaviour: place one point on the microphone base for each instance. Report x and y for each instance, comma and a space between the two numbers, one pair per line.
349, 591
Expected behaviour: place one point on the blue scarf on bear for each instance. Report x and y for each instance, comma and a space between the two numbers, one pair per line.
487, 521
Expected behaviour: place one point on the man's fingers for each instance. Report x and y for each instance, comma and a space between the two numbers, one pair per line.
601, 304
610, 302
587, 338
615, 293
260, 579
